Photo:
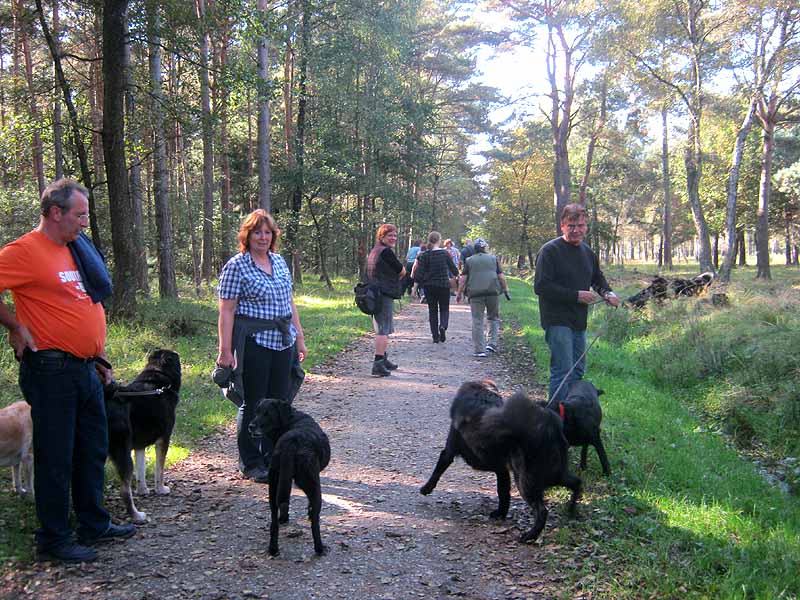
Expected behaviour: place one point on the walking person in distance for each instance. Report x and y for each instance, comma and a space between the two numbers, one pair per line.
435, 268
482, 280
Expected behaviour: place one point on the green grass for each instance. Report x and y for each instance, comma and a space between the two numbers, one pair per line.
330, 321
683, 515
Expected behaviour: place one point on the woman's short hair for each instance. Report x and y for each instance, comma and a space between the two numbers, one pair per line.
434, 237
254, 221
448, 242
383, 231
572, 212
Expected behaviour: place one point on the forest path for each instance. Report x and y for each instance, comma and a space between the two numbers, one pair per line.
208, 539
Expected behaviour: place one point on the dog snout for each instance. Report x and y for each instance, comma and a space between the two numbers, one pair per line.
254, 430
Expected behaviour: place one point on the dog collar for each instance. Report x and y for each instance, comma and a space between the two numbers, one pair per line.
561, 412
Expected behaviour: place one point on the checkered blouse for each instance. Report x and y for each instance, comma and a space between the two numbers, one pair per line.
260, 295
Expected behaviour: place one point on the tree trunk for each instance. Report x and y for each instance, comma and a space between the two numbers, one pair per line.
58, 127
77, 137
167, 283
732, 190
208, 148
221, 102
762, 220
667, 185
597, 130
120, 206
136, 187
264, 193
299, 148
36, 141
740, 243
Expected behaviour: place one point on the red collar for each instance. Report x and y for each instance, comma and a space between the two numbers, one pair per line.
561, 411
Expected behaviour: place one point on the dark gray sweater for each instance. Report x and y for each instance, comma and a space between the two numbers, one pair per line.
561, 271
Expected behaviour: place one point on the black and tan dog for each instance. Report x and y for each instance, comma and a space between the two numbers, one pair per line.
492, 435
581, 415
139, 415
301, 451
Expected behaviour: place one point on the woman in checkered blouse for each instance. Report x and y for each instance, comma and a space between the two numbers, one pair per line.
257, 283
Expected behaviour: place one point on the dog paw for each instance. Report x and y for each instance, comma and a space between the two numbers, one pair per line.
162, 490
142, 490
273, 551
139, 517
498, 514
425, 490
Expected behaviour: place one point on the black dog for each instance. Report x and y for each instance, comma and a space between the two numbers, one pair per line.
139, 415
301, 452
581, 415
467, 439
491, 435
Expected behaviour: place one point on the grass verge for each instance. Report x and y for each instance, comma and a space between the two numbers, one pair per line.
683, 515
189, 326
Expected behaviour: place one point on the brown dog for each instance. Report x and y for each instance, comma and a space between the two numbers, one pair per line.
16, 445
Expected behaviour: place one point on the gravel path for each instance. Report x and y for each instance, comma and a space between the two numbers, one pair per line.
208, 539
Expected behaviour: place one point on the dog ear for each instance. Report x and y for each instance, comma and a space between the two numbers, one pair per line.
284, 414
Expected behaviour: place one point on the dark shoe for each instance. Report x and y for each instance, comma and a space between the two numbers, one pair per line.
479, 354
69, 553
379, 369
442, 335
389, 364
114, 532
491, 348
257, 474
435, 338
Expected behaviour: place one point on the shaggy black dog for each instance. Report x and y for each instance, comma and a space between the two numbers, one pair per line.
139, 415
491, 436
467, 439
301, 452
581, 415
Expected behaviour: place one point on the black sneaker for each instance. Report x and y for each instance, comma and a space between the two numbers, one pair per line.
379, 369
442, 335
69, 553
491, 348
114, 532
257, 474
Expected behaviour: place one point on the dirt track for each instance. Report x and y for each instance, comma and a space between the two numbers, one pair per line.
208, 539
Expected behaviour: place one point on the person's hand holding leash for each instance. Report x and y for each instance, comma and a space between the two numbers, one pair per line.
611, 298
586, 297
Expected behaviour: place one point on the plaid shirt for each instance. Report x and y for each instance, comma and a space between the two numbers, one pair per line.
260, 295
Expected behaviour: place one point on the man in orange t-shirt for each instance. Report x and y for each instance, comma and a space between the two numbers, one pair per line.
57, 333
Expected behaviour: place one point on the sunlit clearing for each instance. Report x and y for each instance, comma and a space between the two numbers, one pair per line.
317, 301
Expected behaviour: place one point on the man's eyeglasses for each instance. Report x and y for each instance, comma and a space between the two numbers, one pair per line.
574, 226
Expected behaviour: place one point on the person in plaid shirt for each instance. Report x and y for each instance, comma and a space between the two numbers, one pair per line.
257, 284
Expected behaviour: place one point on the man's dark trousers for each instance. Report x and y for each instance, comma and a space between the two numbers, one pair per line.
70, 440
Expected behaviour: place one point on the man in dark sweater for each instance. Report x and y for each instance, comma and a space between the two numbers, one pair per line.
566, 269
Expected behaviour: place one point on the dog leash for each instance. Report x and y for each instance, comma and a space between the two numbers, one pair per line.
157, 392
580, 358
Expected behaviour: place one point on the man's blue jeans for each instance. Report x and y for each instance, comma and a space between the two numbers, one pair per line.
70, 445
566, 347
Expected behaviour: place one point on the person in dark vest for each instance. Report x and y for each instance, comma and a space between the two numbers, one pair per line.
482, 281
386, 271
434, 269
566, 269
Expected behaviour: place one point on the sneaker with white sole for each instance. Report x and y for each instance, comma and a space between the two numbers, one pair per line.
491, 348
479, 354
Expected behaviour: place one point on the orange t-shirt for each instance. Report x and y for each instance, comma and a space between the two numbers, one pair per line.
49, 296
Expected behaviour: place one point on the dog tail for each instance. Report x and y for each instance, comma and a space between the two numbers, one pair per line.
519, 412
286, 477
